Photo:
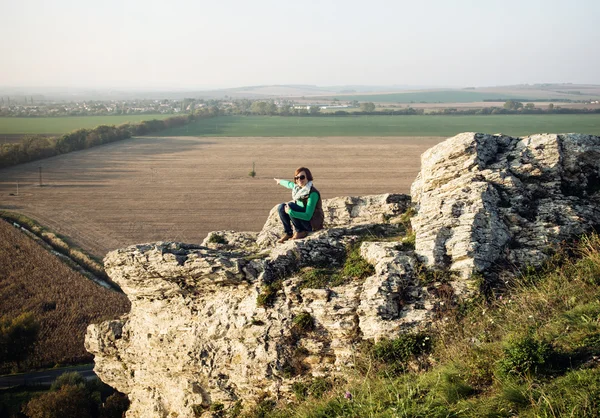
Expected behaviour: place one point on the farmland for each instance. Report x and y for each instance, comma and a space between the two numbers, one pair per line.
11, 126
62, 301
438, 96
180, 188
397, 126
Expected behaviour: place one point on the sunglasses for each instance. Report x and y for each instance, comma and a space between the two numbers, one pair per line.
302, 177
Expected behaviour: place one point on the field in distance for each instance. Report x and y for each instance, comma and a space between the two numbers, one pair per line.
12, 126
150, 189
411, 126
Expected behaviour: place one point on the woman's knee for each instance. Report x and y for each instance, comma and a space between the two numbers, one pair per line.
281, 208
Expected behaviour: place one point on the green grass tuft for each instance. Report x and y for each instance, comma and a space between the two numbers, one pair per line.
217, 239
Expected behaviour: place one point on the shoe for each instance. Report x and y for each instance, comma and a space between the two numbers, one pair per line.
300, 235
284, 238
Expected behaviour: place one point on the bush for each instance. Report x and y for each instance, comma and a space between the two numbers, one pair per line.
390, 357
68, 402
17, 337
73, 396
217, 239
523, 355
66, 379
268, 293
115, 406
401, 349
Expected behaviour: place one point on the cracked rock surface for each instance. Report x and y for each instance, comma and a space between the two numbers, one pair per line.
494, 203
200, 331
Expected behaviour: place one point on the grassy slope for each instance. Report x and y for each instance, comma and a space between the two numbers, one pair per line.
530, 352
276, 126
61, 125
63, 301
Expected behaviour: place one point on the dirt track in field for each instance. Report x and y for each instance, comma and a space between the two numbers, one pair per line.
180, 188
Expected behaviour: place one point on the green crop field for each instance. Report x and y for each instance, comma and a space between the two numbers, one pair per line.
277, 126
61, 125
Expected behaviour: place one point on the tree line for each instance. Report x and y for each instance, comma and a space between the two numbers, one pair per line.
36, 147
70, 396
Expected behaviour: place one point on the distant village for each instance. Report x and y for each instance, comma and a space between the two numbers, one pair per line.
30, 107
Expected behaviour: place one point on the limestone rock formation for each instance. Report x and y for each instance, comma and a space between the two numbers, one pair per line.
492, 203
198, 332
238, 315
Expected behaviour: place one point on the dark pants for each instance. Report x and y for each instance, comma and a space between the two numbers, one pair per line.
287, 220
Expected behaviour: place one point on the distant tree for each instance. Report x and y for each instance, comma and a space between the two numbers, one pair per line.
271, 108
17, 337
314, 110
259, 108
285, 110
354, 103
71, 396
66, 379
513, 105
529, 106
67, 402
551, 107
367, 107
114, 406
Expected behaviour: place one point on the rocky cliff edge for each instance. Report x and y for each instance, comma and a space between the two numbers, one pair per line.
240, 315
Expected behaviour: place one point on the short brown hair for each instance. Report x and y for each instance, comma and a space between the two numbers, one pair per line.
309, 176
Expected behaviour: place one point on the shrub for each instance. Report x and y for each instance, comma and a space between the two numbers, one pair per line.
66, 379
17, 337
391, 356
523, 355
115, 406
68, 402
264, 406
268, 293
401, 349
319, 386
217, 239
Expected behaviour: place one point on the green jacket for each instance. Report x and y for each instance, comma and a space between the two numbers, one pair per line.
311, 203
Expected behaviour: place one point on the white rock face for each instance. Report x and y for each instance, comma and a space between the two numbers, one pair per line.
198, 332
197, 335
490, 202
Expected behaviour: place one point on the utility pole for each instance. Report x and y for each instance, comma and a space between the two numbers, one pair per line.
40, 176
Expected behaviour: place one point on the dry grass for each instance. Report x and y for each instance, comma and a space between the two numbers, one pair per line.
63, 301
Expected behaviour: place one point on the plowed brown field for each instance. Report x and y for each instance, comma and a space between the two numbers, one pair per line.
180, 188
62, 301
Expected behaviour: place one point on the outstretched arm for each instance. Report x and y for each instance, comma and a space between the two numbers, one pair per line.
285, 183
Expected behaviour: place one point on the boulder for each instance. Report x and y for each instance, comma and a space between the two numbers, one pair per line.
493, 204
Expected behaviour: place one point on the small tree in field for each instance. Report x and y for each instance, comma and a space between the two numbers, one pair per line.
253, 172
367, 107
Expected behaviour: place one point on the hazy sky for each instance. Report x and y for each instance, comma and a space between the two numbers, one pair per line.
231, 43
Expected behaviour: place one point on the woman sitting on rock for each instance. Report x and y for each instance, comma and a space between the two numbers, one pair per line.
305, 211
